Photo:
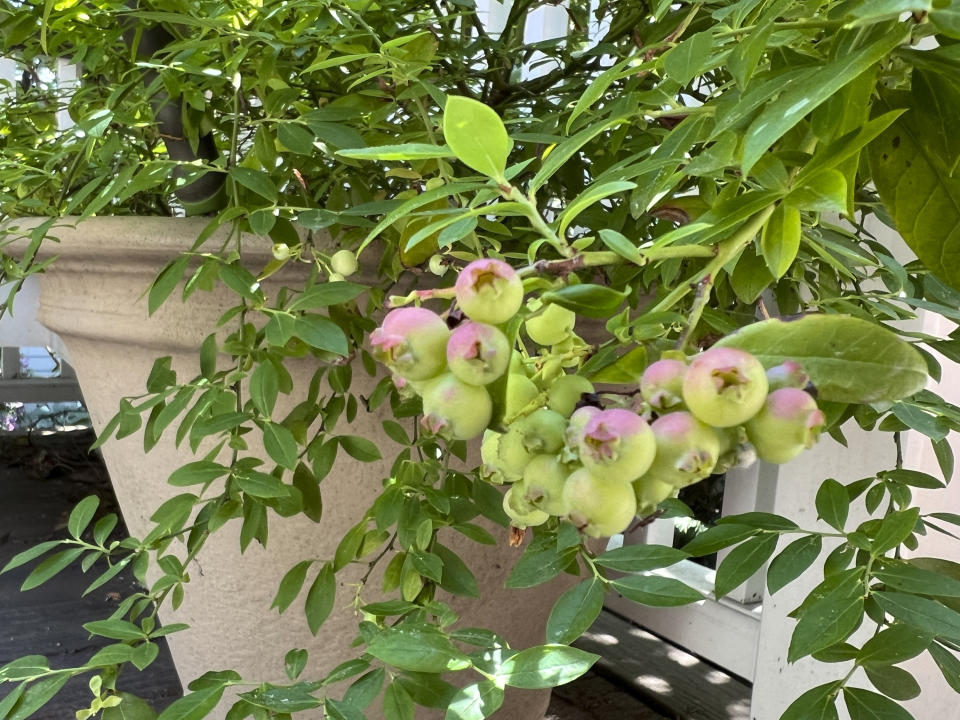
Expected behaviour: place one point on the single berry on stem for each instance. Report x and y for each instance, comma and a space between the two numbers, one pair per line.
724, 387
789, 423
478, 353
600, 506
661, 384
489, 291
551, 326
454, 409
687, 449
543, 482
617, 443
412, 342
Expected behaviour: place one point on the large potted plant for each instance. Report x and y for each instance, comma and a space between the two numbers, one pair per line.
420, 234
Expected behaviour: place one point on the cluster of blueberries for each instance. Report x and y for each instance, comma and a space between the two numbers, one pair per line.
564, 454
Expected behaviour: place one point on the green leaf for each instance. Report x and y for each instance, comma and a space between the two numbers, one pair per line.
718, 538
832, 611
936, 102
24, 667
166, 283
639, 558
290, 585
194, 706
818, 703
685, 61
833, 503
144, 654
321, 333
264, 387
261, 485
928, 616
397, 703
475, 702
296, 138
540, 562
36, 695
457, 578
50, 567
868, 705
339, 710
359, 448
326, 294
792, 562
258, 182
130, 708
588, 197
363, 690
280, 445
780, 239
892, 645
878, 367
575, 611
408, 151
919, 194
111, 655
893, 682
656, 591
824, 192
595, 90
949, 665
320, 598
802, 97
115, 629
476, 135
294, 662
283, 699
27, 555
420, 648
894, 529
545, 666
595, 301
199, 472
760, 520
743, 561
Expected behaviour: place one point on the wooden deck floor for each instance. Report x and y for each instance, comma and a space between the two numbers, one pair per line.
40, 484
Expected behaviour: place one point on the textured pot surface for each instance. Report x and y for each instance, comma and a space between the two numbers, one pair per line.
93, 297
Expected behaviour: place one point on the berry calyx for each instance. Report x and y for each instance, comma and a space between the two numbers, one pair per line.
687, 450
788, 423
599, 506
551, 326
617, 443
661, 384
454, 409
412, 342
478, 353
489, 291
724, 387
521, 513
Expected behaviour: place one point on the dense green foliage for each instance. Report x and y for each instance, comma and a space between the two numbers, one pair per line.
676, 170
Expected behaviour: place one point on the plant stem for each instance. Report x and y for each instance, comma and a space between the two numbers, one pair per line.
704, 288
536, 220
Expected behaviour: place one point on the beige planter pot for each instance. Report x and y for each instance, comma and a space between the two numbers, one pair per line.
92, 297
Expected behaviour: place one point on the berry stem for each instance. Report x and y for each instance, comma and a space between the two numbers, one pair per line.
531, 212
419, 296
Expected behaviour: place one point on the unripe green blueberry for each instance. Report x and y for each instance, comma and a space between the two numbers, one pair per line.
687, 449
788, 423
520, 392
650, 492
543, 482
437, 265
735, 449
724, 387
491, 467
565, 392
551, 326
521, 513
454, 409
787, 374
478, 353
661, 384
281, 251
513, 455
542, 431
575, 427
344, 262
412, 342
618, 444
489, 291
600, 506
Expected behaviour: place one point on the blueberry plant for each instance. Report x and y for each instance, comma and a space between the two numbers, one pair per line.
643, 253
